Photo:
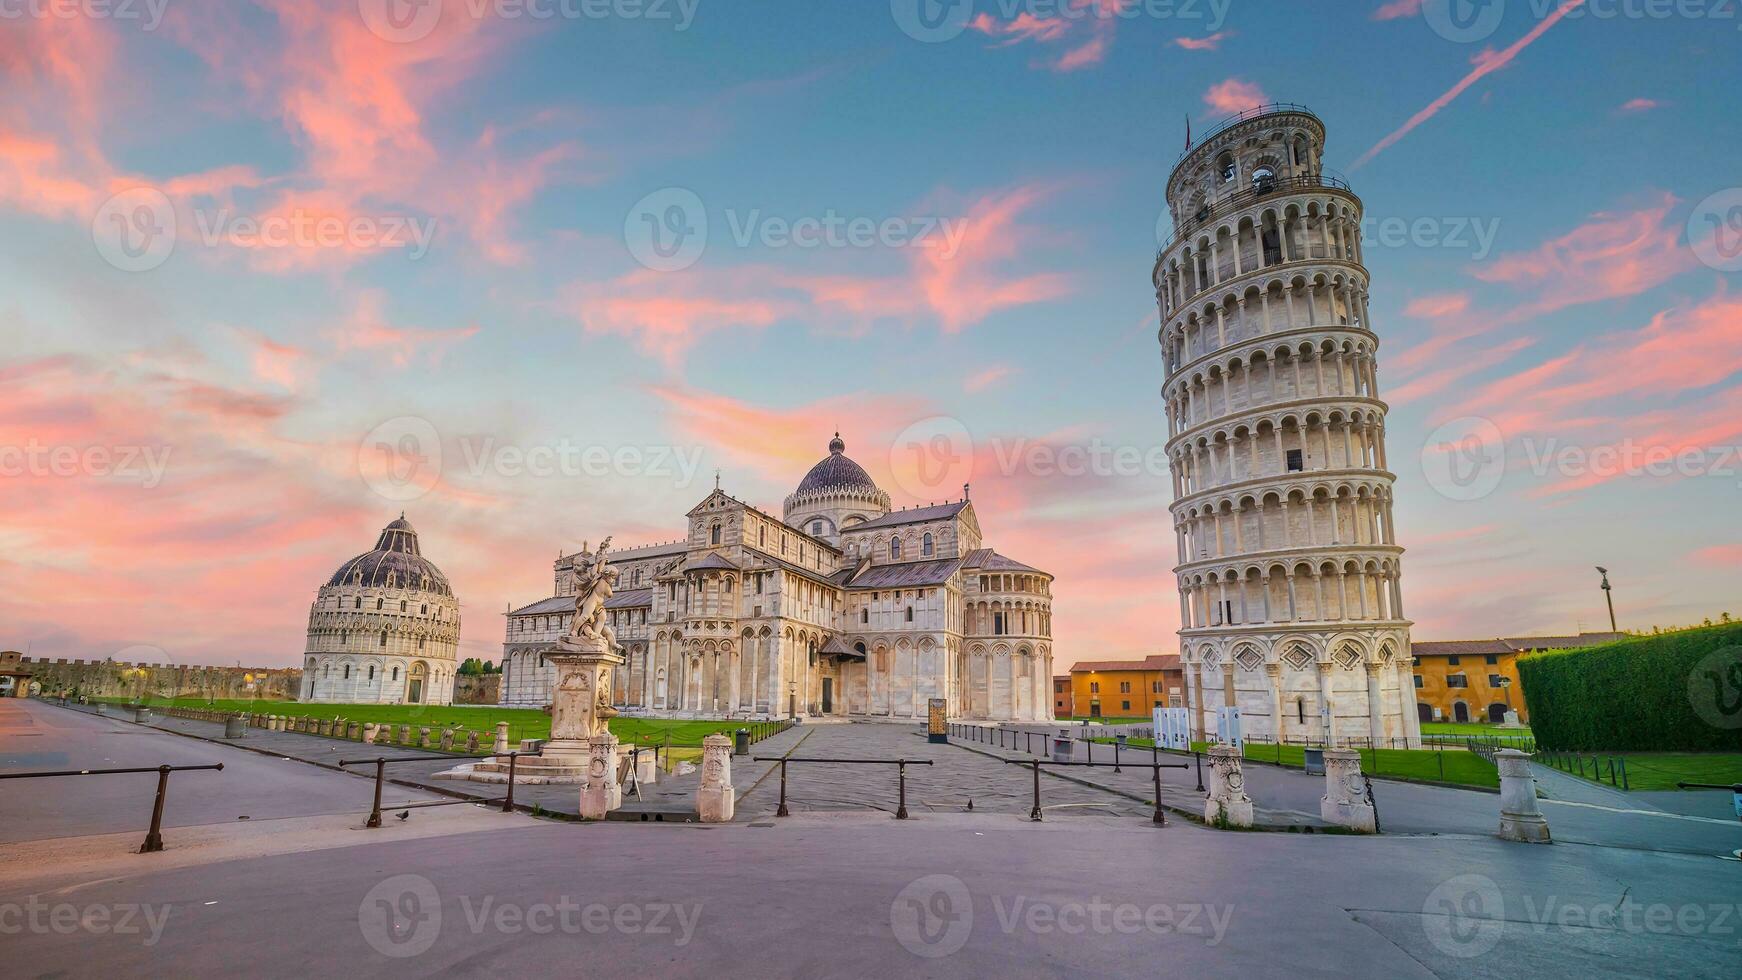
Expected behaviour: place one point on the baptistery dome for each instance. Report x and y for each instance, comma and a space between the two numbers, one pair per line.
384, 629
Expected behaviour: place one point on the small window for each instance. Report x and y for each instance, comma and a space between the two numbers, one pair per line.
925, 546
714, 536
1418, 682
895, 549
403, 605
865, 615
1452, 660
380, 603
816, 529
1124, 687
1094, 687
910, 614
347, 672
1493, 680
1457, 680
1124, 706
1296, 461
371, 673
1491, 659
383, 637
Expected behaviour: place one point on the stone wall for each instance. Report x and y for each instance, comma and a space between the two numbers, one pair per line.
477, 688
117, 679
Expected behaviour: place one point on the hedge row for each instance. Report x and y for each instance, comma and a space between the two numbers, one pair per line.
1670, 692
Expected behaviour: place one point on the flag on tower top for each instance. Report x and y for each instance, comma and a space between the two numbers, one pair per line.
1188, 132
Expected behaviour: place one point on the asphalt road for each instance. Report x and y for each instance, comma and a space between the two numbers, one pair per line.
818, 894
40, 737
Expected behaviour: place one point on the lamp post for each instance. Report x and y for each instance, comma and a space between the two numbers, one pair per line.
1609, 597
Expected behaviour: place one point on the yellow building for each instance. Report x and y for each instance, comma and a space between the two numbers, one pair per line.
1125, 688
1477, 680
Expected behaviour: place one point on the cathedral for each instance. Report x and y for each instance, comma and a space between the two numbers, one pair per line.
839, 608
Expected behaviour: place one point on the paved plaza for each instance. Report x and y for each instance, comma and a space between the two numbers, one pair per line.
838, 889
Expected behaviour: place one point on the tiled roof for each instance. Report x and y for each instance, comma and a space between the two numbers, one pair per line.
907, 574
1158, 661
837, 648
712, 559
650, 551
630, 599
988, 560
916, 515
1510, 644
555, 604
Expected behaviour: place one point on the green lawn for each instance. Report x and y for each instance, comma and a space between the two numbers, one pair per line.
1432, 765
523, 723
1662, 770
1469, 728
1113, 721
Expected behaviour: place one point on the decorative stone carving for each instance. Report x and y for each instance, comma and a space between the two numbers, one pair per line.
1227, 802
601, 794
716, 800
1520, 817
1345, 801
404, 734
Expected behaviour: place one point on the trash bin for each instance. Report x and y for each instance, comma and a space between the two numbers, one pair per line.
1119, 740
1315, 762
233, 726
141, 715
741, 742
1061, 748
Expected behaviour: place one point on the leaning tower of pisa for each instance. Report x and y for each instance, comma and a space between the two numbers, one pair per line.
1288, 563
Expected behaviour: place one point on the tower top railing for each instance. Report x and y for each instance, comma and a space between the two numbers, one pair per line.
1252, 194
1268, 109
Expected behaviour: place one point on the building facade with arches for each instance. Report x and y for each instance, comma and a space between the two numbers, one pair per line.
384, 629
841, 607
1290, 576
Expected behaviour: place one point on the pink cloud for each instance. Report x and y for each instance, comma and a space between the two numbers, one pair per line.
1633, 106
1486, 63
1026, 27
981, 380
1720, 555
1234, 95
965, 288
1209, 42
367, 329
1398, 9
1097, 18
1438, 306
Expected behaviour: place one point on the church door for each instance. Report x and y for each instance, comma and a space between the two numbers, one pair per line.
828, 695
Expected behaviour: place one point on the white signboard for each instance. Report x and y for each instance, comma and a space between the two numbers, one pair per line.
1228, 731
1172, 729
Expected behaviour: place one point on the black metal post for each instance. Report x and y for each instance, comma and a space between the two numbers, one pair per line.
375, 811
1034, 814
508, 804
1199, 758
154, 836
1116, 757
901, 776
1160, 818
783, 811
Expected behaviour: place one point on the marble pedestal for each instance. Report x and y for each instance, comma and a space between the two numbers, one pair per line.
1520, 817
1345, 801
716, 800
1227, 802
601, 793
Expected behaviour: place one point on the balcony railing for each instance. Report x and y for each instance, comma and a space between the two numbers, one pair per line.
1258, 191
1240, 117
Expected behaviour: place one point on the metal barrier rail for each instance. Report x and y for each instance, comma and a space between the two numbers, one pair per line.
1159, 817
381, 777
1574, 762
154, 836
901, 764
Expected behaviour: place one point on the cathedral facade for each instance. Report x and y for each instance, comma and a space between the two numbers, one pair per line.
839, 608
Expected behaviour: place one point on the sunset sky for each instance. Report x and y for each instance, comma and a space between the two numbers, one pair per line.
490, 259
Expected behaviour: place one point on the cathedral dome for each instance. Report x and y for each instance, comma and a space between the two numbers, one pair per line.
395, 562
836, 472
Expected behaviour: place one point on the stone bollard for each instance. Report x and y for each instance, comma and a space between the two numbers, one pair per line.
404, 734
447, 740
647, 768
501, 746
1345, 801
353, 731
423, 738
1228, 804
716, 800
1520, 817
471, 743
326, 727
600, 793
369, 731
